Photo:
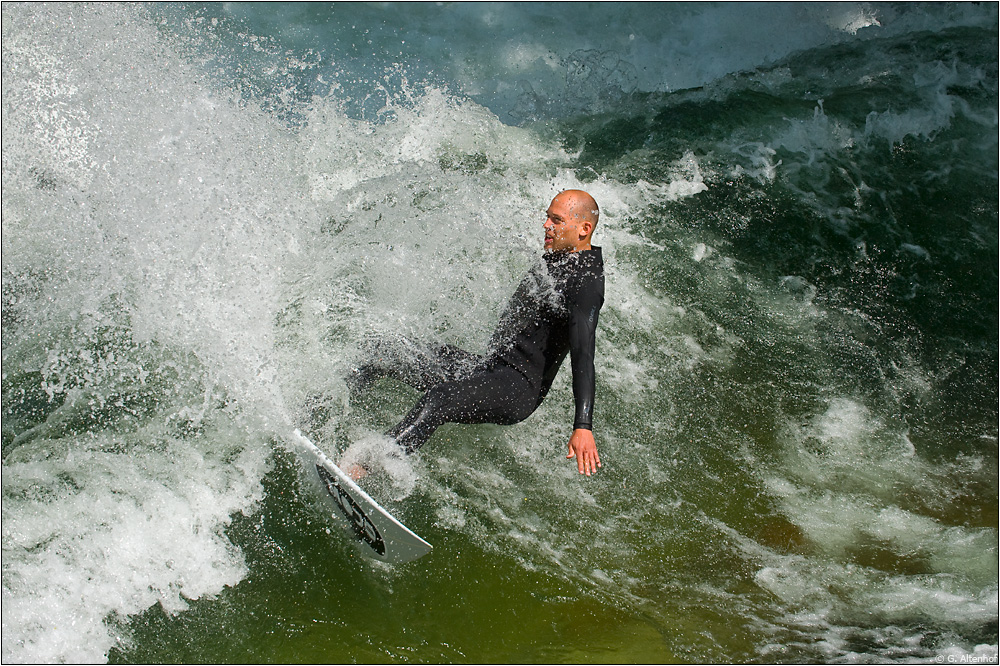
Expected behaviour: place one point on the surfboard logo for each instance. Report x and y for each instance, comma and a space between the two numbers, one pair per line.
364, 529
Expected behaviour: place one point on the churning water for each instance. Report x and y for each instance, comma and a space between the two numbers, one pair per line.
207, 208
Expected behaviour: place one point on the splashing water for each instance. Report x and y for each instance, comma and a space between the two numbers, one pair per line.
207, 209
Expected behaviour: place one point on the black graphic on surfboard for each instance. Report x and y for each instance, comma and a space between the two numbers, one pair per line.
363, 527
381, 535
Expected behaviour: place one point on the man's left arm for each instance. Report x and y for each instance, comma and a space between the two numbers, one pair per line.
583, 342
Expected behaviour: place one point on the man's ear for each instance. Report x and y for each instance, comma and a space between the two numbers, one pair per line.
586, 227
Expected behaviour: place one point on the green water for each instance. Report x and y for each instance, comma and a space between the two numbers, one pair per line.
461, 604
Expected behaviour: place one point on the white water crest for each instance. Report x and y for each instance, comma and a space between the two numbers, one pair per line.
141, 253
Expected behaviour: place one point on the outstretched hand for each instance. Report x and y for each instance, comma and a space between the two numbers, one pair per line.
583, 447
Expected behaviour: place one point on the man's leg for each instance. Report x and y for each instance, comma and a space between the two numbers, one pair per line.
423, 368
420, 366
498, 394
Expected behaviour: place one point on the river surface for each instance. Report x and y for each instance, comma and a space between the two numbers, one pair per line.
207, 208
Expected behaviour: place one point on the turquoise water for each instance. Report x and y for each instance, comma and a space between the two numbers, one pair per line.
207, 208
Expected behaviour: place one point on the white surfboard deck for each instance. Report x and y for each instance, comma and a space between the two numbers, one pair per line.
382, 537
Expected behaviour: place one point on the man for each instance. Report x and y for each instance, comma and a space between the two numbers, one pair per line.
553, 312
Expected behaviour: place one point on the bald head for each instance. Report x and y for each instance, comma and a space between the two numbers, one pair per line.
570, 221
582, 204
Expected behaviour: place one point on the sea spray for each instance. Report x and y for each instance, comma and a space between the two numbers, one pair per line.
132, 266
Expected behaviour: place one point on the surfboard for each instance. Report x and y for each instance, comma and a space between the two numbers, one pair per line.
381, 536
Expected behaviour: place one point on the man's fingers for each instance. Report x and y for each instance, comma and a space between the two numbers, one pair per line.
587, 459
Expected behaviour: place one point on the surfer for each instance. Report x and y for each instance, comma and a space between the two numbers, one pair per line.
553, 312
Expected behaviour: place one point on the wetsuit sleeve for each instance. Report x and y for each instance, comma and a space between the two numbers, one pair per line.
582, 347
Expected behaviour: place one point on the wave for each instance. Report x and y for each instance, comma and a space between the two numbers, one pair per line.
204, 214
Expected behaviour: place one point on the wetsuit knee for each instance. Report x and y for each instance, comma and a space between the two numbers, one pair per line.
498, 395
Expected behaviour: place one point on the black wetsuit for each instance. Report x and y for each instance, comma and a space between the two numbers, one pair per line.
553, 312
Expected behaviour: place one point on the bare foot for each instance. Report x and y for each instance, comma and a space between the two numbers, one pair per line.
356, 472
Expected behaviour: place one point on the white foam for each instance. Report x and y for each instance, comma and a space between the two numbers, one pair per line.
104, 526
844, 480
149, 250
381, 454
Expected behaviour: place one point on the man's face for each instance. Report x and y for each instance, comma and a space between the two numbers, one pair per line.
564, 226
